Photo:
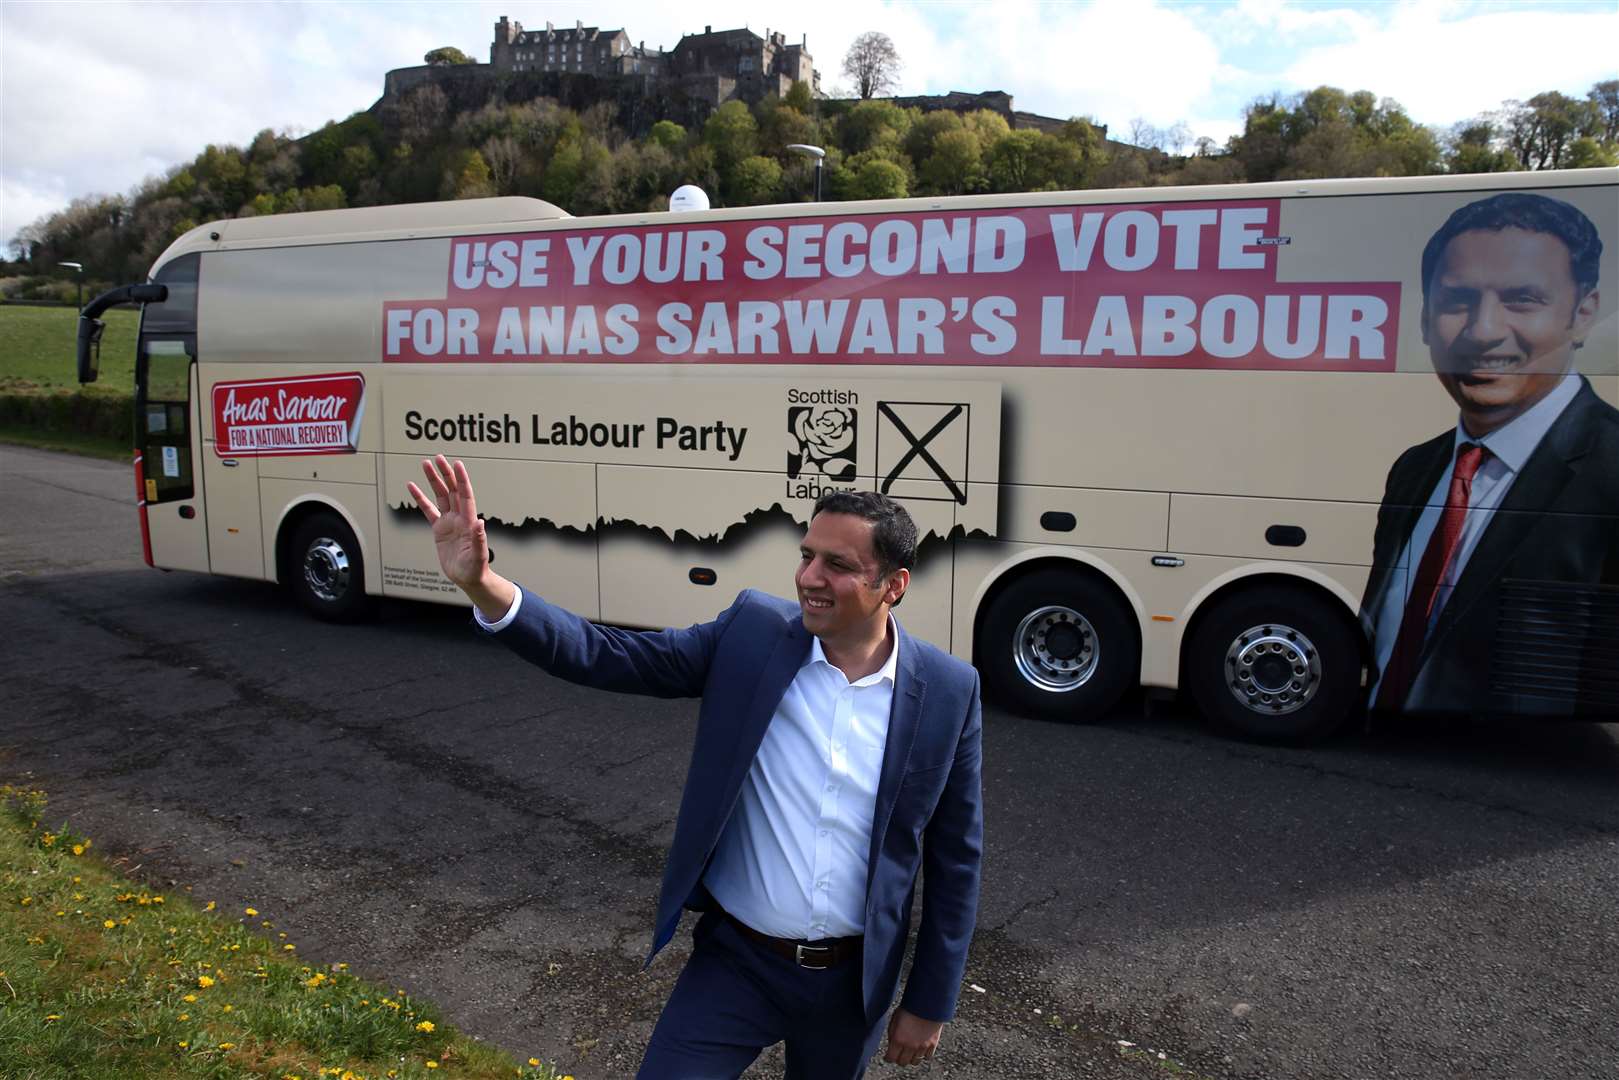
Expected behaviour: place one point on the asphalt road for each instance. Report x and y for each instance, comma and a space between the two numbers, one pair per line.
409, 798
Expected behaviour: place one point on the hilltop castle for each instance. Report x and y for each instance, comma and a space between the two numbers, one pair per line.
581, 65
715, 67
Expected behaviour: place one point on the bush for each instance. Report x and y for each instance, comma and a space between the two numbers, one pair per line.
71, 412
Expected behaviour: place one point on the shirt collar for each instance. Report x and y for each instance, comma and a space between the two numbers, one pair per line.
884, 673
1514, 441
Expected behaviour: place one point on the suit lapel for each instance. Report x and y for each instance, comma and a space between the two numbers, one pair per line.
904, 721
1408, 497
1536, 489
777, 674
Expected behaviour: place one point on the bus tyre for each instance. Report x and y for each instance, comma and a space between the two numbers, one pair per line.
325, 569
1059, 645
1277, 665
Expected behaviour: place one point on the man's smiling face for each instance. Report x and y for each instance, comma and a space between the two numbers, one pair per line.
842, 591
1502, 320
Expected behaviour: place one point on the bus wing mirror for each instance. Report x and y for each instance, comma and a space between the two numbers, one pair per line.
91, 328
90, 331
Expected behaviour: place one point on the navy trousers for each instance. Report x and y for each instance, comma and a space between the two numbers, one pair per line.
735, 998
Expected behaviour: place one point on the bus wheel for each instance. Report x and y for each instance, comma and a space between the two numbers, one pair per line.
1275, 664
1059, 645
325, 569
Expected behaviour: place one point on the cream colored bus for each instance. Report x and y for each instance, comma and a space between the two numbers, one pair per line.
1298, 449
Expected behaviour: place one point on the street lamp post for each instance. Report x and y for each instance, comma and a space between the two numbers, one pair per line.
78, 273
820, 159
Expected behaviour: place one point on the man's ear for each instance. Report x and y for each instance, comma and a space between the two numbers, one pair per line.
1585, 313
894, 588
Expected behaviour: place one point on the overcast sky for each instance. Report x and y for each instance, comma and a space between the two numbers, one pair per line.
97, 96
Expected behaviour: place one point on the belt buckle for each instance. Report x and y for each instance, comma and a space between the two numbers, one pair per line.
798, 956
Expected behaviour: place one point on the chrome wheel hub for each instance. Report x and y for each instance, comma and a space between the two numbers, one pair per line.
1273, 669
326, 569
1055, 648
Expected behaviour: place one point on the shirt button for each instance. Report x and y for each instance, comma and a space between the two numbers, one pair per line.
823, 832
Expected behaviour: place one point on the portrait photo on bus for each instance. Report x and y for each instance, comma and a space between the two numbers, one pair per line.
1495, 571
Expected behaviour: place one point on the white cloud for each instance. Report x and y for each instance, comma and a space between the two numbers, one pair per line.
1447, 63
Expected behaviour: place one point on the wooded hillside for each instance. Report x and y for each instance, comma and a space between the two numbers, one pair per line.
420, 148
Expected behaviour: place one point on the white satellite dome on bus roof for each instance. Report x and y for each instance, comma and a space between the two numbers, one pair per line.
688, 197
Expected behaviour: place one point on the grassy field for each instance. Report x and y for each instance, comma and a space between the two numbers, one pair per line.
102, 979
41, 401
37, 350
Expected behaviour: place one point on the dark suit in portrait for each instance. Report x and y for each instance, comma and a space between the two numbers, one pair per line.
1532, 624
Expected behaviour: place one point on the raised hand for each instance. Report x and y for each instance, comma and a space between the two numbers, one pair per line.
463, 548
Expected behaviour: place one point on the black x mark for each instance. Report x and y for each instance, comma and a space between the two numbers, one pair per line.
918, 449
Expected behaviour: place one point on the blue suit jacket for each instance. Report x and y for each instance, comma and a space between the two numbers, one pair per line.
929, 814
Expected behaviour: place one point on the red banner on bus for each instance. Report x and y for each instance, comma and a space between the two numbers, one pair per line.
313, 414
1180, 285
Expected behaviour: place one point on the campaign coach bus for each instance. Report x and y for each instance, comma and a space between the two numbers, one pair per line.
1296, 448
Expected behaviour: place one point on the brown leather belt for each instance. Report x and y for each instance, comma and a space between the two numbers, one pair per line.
814, 955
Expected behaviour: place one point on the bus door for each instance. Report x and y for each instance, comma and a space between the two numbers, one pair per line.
168, 440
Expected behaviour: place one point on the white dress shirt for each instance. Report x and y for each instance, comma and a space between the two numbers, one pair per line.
793, 859
1510, 447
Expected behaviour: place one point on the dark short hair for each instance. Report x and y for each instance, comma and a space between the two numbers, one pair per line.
893, 534
1533, 213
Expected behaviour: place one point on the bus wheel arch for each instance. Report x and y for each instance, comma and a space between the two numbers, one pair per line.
320, 559
1057, 637
1274, 658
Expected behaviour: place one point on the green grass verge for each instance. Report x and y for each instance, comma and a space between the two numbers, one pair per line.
37, 349
41, 401
102, 979
70, 443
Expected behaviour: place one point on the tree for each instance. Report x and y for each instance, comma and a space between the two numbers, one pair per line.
447, 56
873, 63
873, 124
878, 179
1472, 149
755, 180
732, 133
667, 134
1604, 97
956, 165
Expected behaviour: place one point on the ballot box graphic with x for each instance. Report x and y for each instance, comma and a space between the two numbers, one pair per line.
922, 449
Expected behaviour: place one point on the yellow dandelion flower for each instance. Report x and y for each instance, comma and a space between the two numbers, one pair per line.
189, 999
227, 1046
205, 981
53, 1016
157, 899
78, 849
534, 1063
342, 966
86, 844
251, 911
425, 1026
431, 1064
230, 1008
27, 900
290, 948
184, 1044
108, 923
183, 1016
211, 906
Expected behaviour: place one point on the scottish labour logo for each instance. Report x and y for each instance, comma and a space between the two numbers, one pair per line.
823, 441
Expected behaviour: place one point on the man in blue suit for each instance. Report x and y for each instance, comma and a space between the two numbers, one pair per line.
836, 757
